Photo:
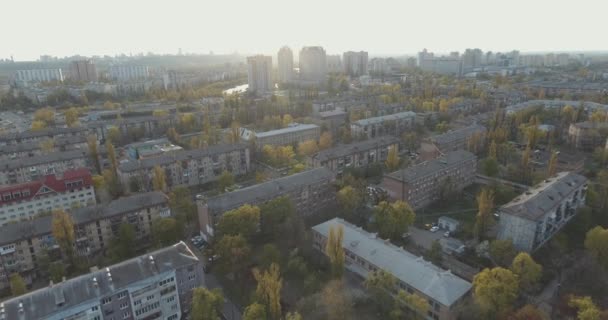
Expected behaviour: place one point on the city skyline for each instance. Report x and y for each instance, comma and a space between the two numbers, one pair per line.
197, 28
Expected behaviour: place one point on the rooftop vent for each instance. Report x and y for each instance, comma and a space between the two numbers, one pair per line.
151, 258
109, 274
20, 307
51, 284
95, 284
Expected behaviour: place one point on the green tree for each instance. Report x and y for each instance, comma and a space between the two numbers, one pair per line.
166, 231
268, 290
243, 220
379, 285
63, 232
552, 169
57, 271
273, 214
528, 312
206, 304
587, 310
270, 254
527, 270
393, 219
392, 160
159, 179
71, 117
325, 142
114, 135
225, 180
349, 199
502, 252
435, 253
485, 204
122, 246
255, 311
406, 303
293, 316
234, 252
336, 301
17, 284
94, 152
596, 243
112, 157
495, 290
490, 167
335, 251
182, 207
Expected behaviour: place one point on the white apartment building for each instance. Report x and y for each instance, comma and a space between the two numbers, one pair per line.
39, 75
259, 74
25, 201
355, 63
394, 124
129, 72
285, 60
334, 63
313, 64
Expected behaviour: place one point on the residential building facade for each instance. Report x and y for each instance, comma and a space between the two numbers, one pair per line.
393, 124
310, 191
259, 74
534, 217
354, 155
24, 243
129, 72
313, 64
188, 167
26, 200
39, 75
18, 138
365, 253
457, 139
285, 61
83, 71
157, 285
586, 136
424, 183
355, 63
43, 146
292, 135
33, 168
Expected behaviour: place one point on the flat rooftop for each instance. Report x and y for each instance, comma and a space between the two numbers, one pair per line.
432, 166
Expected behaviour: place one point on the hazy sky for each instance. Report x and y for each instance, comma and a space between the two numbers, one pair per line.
89, 27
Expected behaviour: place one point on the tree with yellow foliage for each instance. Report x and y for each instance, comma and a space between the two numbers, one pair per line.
307, 148
325, 141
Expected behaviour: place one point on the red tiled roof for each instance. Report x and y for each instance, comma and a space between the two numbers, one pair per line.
29, 190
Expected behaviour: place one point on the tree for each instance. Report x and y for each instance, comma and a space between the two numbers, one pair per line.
393, 220
270, 254
112, 157
172, 135
206, 304
587, 310
225, 180
379, 285
166, 231
495, 290
485, 204
94, 152
502, 252
337, 303
122, 246
405, 301
528, 312
71, 117
38, 125
392, 160
233, 252
335, 251
255, 311
235, 132
293, 316
596, 243
268, 290
490, 167
45, 115
349, 199
243, 220
112, 184
307, 148
287, 120
273, 214
326, 141
114, 135
57, 271
525, 164
527, 270
435, 253
63, 232
552, 169
159, 179
17, 284
492, 153
47, 145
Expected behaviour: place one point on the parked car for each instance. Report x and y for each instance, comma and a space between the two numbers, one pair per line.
434, 229
446, 234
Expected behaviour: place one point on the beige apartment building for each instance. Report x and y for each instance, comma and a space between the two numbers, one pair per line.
34, 168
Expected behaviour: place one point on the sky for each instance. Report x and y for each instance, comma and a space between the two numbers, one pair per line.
98, 27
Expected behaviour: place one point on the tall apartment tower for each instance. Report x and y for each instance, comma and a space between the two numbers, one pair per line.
355, 63
472, 58
313, 64
259, 73
285, 59
83, 70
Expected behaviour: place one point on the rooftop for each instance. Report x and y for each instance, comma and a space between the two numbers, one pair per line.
432, 166
291, 128
376, 120
35, 145
458, 134
544, 197
47, 158
434, 282
92, 287
268, 190
42, 225
179, 155
72, 179
41, 133
348, 149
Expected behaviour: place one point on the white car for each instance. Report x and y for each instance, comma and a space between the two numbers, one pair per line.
434, 229
446, 234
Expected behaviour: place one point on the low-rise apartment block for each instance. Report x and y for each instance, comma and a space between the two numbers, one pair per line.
354, 155
587, 136
365, 253
188, 167
22, 244
457, 139
157, 285
39, 135
393, 124
34, 168
424, 183
310, 191
531, 219
41, 147
292, 135
26, 200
